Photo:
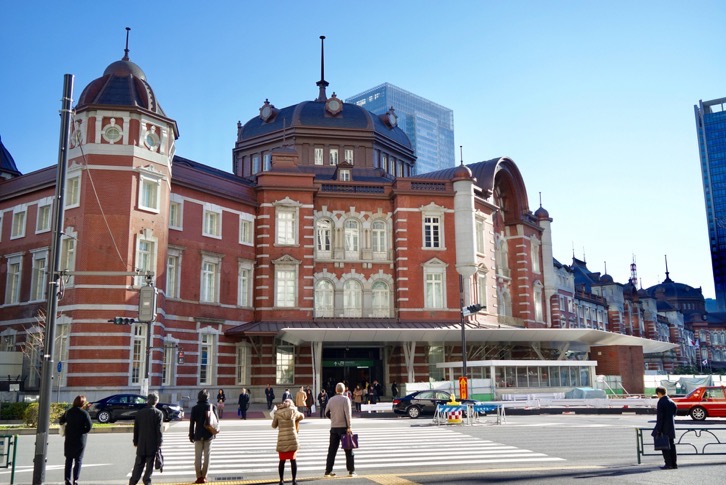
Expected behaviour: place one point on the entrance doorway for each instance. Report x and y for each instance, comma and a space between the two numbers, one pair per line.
352, 366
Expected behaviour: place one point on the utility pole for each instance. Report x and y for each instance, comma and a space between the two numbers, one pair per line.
46, 385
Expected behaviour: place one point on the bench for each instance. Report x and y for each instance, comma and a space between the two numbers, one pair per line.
381, 407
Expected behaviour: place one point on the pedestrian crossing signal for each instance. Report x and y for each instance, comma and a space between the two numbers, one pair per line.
471, 309
180, 357
122, 321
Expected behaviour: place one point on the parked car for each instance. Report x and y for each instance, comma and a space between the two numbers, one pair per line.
703, 402
424, 403
125, 406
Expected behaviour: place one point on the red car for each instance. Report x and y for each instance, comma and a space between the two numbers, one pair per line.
703, 402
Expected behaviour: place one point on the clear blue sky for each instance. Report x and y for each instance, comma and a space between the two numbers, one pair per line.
592, 100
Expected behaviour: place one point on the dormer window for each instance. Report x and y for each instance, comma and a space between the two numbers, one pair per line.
344, 175
268, 112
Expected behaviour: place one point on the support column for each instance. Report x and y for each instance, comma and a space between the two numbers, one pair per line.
409, 352
316, 351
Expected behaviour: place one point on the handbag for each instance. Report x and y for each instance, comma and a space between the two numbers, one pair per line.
211, 423
349, 441
159, 461
661, 442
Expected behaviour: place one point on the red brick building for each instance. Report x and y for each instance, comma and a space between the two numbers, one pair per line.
317, 259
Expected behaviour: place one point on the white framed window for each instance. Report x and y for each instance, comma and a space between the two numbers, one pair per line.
244, 283
73, 191
432, 234
379, 238
255, 164
246, 230
399, 168
286, 226
344, 175
481, 289
18, 224
145, 255
112, 132
7, 340
384, 162
267, 162
13, 279
352, 238
284, 363
168, 365
43, 219
434, 287
323, 237
206, 358
285, 286
324, 299
535, 245
212, 221
318, 155
149, 193
333, 156
480, 236
138, 353
352, 299
243, 364
173, 273
39, 277
68, 253
176, 213
349, 155
210, 274
381, 300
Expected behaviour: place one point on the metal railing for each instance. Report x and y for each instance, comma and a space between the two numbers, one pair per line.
8, 451
689, 441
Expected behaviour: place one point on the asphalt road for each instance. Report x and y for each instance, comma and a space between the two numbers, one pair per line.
553, 449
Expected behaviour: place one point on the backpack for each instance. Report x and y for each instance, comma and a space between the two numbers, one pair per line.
211, 422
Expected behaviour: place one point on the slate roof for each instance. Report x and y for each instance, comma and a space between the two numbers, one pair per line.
7, 163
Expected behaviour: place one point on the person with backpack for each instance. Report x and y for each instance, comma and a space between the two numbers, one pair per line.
202, 413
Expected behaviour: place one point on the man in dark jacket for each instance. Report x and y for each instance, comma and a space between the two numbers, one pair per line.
199, 435
665, 424
244, 403
147, 439
269, 396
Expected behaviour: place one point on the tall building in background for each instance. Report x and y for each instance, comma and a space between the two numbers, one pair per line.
429, 125
711, 126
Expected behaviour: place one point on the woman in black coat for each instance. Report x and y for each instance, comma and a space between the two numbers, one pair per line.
78, 424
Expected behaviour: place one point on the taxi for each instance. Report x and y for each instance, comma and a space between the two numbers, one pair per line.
703, 402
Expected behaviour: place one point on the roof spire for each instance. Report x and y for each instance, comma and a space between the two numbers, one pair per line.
126, 50
322, 84
668, 278
461, 150
540, 202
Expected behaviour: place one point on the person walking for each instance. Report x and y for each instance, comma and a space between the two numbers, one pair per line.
269, 396
665, 424
394, 390
286, 419
372, 394
358, 397
340, 420
309, 400
286, 395
244, 403
301, 398
147, 439
322, 401
199, 435
77, 423
220, 402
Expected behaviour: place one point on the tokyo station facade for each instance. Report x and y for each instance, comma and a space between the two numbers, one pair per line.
318, 258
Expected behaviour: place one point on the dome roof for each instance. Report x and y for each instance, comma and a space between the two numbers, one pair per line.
462, 172
542, 215
606, 278
670, 289
123, 84
312, 114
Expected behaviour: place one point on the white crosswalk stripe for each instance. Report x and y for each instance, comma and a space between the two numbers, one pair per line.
252, 451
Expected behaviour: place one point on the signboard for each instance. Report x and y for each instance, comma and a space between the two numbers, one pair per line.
60, 366
463, 388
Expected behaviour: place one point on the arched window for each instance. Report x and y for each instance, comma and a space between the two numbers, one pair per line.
381, 300
378, 238
352, 238
323, 237
324, 299
352, 299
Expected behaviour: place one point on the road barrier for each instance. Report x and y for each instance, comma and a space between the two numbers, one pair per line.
8, 450
689, 441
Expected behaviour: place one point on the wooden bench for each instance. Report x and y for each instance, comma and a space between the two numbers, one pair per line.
380, 407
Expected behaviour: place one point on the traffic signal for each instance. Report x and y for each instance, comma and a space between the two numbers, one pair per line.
180, 357
147, 304
122, 321
471, 309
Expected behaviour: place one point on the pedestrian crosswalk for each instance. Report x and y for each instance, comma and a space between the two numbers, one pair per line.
244, 453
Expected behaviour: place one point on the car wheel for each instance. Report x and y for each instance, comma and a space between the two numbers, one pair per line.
104, 417
698, 413
413, 412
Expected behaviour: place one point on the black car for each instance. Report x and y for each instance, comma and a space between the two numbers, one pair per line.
425, 402
125, 406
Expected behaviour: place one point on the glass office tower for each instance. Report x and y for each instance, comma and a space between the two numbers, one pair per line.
429, 126
711, 127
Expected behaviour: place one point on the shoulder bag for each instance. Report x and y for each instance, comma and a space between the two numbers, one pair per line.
348, 441
211, 423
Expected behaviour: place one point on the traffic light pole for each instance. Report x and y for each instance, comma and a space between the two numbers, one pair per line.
463, 327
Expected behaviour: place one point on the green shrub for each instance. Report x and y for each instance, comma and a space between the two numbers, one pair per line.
30, 416
12, 411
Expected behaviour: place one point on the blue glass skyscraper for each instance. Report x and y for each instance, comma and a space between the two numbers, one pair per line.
711, 127
429, 126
